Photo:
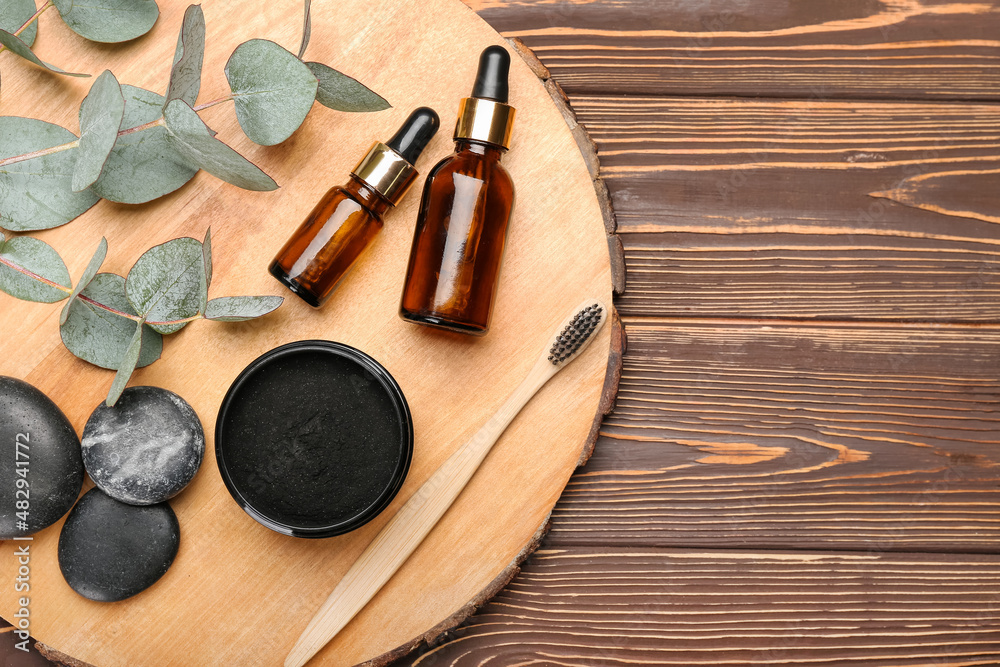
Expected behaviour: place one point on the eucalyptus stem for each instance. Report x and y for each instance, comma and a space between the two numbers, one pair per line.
136, 318
74, 144
95, 303
35, 276
34, 17
140, 128
206, 105
42, 153
115, 311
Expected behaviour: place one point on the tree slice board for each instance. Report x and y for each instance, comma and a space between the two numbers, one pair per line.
239, 594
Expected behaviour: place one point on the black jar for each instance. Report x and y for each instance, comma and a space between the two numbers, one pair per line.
314, 439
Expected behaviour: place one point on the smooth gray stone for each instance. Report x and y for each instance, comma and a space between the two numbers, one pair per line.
145, 448
109, 551
54, 474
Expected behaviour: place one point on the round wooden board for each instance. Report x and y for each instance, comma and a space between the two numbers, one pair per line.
239, 594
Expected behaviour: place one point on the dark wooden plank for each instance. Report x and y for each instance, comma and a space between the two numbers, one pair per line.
12, 649
762, 208
727, 608
845, 277
858, 437
799, 48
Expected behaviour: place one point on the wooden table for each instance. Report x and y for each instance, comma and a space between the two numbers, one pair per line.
802, 467
803, 464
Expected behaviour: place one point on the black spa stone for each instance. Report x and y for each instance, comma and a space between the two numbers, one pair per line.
109, 551
145, 448
41, 473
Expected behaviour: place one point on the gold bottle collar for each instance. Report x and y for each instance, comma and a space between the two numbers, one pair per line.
485, 120
386, 172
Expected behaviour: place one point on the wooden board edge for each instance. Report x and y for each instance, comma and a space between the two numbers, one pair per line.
589, 151
439, 632
58, 657
612, 377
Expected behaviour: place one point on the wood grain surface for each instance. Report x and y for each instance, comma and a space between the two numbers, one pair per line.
769, 210
736, 608
802, 465
913, 49
238, 593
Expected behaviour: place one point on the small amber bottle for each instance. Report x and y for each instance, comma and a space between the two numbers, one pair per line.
458, 244
347, 218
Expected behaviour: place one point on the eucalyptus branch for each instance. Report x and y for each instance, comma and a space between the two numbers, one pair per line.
135, 146
34, 276
114, 311
40, 153
206, 105
166, 289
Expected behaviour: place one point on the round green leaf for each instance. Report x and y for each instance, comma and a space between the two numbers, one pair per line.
143, 165
14, 13
37, 193
101, 337
166, 283
273, 90
108, 20
341, 92
192, 139
28, 267
101, 116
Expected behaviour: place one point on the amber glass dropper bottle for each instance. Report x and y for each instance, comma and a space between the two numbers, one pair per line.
458, 244
347, 218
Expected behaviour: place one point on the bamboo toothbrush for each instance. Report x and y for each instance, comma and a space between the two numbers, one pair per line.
404, 532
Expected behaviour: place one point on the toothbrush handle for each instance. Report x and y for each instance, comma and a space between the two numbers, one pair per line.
404, 532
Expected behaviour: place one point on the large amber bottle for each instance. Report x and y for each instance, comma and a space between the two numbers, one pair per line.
318, 255
458, 245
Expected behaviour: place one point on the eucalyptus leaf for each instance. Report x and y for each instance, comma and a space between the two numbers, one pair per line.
185, 74
37, 193
241, 308
166, 283
273, 90
101, 337
15, 45
14, 14
88, 275
108, 21
30, 270
126, 366
101, 115
191, 138
341, 92
143, 165
206, 258
306, 30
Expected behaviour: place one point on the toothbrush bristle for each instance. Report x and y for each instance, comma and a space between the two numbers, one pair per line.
576, 333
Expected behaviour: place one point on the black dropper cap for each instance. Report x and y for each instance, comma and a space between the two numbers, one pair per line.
491, 79
415, 134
